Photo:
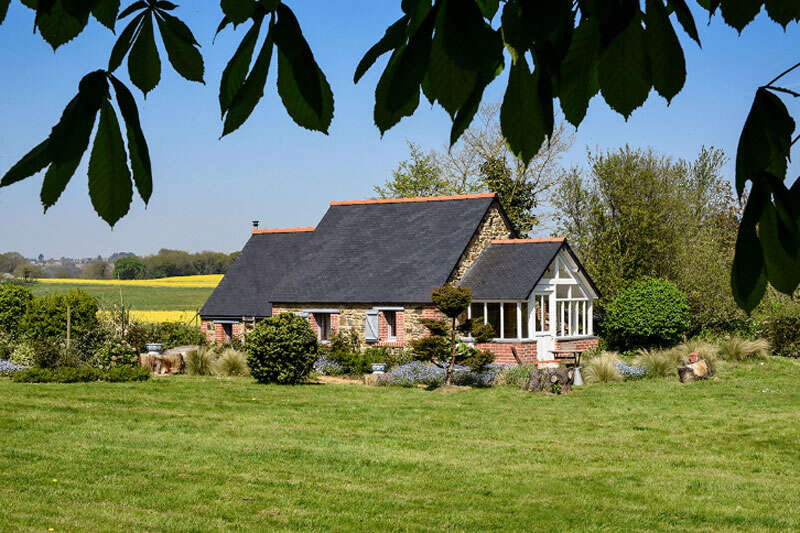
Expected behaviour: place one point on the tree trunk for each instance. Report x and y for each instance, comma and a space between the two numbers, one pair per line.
694, 371
452, 354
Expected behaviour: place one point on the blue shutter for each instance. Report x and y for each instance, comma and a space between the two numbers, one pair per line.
371, 326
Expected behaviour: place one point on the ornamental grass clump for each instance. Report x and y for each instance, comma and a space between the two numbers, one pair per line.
198, 362
704, 350
735, 348
657, 363
602, 368
230, 363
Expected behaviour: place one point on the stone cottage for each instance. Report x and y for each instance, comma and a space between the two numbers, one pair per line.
370, 266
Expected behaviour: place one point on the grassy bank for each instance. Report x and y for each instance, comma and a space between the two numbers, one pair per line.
184, 453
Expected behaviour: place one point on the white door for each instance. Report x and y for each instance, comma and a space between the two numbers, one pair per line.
541, 323
544, 344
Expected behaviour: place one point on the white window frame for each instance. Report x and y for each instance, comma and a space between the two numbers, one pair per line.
391, 329
517, 317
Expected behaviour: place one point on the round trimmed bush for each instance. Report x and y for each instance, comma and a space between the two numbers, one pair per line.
651, 312
452, 301
281, 349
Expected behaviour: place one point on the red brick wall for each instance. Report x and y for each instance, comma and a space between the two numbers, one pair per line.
583, 344
400, 329
502, 351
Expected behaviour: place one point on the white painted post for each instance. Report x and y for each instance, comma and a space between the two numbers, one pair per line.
589, 320
485, 313
519, 320
502, 323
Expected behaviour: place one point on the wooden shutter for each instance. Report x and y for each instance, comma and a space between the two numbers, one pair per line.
371, 332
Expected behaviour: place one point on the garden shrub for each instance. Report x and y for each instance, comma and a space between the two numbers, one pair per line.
391, 357
782, 328
735, 348
46, 316
47, 353
126, 373
432, 348
230, 363
6, 346
351, 362
602, 368
344, 341
198, 362
172, 334
23, 354
451, 300
515, 376
14, 301
115, 352
482, 332
281, 349
81, 374
652, 312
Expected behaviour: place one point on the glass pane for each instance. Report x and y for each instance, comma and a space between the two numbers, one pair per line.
562, 270
525, 317
542, 313
493, 317
509, 320
477, 313
562, 291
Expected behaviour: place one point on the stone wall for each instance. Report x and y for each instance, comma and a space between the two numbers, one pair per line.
493, 226
351, 317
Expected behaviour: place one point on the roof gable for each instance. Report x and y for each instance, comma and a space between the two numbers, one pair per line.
246, 288
385, 250
510, 269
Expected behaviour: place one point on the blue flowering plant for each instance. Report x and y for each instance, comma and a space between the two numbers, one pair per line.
631, 372
8, 368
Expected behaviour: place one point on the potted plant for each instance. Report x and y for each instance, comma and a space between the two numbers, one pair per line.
154, 347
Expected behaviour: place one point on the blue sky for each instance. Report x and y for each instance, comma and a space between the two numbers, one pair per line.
206, 191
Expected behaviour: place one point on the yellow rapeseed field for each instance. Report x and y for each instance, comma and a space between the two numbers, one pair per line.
160, 316
206, 280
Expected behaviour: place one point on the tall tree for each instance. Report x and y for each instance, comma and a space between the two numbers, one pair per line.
638, 213
483, 162
419, 175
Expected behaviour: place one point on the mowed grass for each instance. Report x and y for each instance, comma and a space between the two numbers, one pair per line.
174, 297
200, 454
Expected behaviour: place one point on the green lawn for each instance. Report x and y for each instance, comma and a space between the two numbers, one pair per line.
184, 453
140, 298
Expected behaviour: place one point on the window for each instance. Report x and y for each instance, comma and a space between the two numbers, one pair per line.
541, 323
493, 317
572, 311
391, 324
324, 324
510, 321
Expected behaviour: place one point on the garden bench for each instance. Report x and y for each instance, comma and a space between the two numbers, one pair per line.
568, 353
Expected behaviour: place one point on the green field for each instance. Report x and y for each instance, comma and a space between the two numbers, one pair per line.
200, 454
136, 297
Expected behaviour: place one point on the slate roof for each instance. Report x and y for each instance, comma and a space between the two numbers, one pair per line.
361, 252
265, 259
511, 269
